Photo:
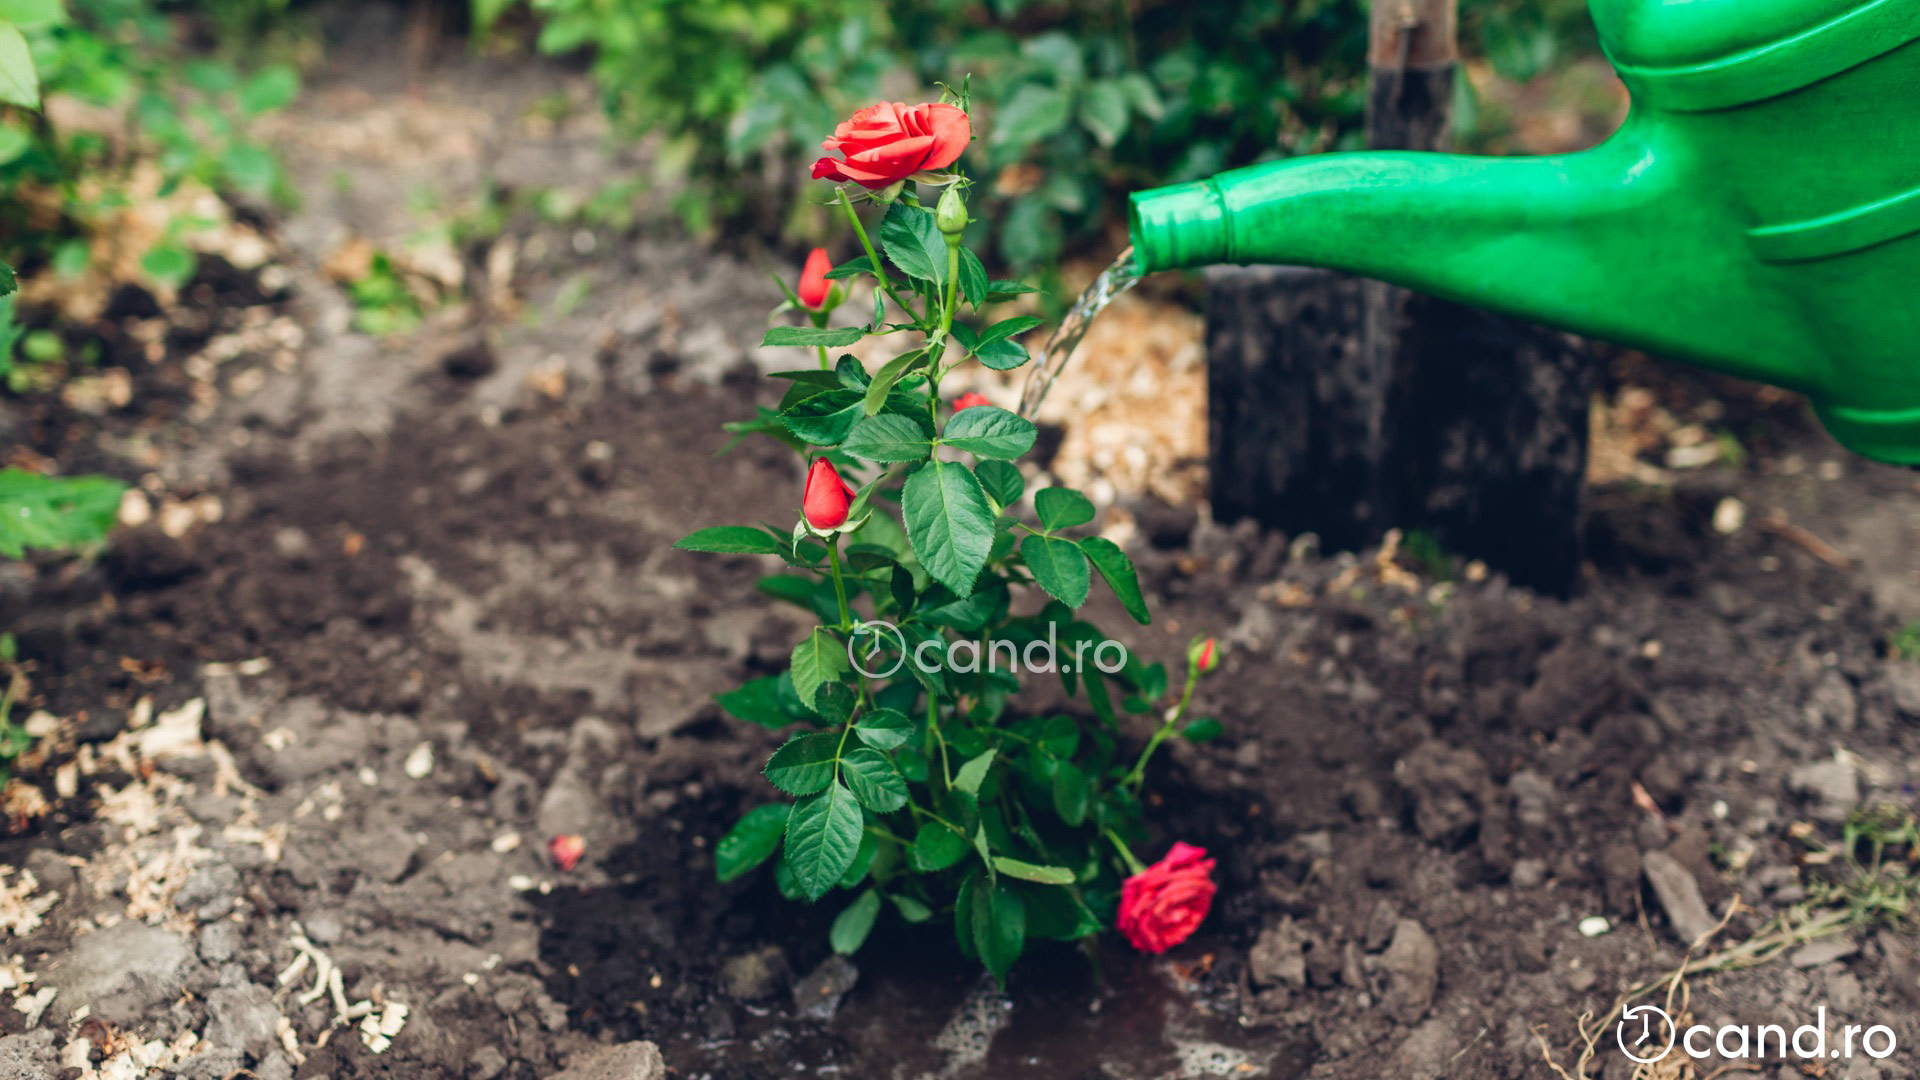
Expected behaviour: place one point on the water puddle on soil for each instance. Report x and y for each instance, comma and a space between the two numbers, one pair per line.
914, 1019
1119, 276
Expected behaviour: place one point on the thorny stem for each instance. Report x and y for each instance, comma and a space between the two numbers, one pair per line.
839, 586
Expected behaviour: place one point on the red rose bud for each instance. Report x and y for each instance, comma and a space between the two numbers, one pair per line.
566, 849
1163, 905
1203, 656
887, 143
969, 399
814, 286
828, 497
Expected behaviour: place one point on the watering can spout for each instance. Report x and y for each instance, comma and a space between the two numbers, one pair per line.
1604, 243
1758, 213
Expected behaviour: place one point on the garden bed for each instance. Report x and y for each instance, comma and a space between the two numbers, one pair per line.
436, 621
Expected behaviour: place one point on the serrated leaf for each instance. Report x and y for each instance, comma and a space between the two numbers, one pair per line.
1002, 481
913, 243
973, 278
949, 523
8, 284
1026, 871
1062, 508
999, 925
805, 764
990, 432
884, 729
811, 336
974, 773
1009, 328
890, 373
19, 82
1072, 797
936, 847
824, 419
731, 540
835, 702
851, 268
818, 659
823, 835
1002, 355
751, 841
854, 923
1117, 570
875, 782
1059, 566
758, 702
888, 437
1007, 290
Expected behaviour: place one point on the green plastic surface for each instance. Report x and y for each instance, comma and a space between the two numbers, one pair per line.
1758, 213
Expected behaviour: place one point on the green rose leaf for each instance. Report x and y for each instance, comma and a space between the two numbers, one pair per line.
936, 847
884, 729
1117, 570
1058, 566
731, 540
1026, 871
1072, 797
751, 841
818, 659
1204, 729
911, 910
1001, 480
758, 702
875, 782
823, 835
805, 764
890, 373
949, 523
973, 279
973, 773
1034, 112
854, 923
999, 925
851, 268
1062, 508
1103, 111
990, 432
1009, 328
1002, 355
8, 284
811, 336
998, 291
888, 437
824, 419
913, 243
835, 702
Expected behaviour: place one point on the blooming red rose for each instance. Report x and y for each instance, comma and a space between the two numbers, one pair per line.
886, 143
1163, 905
827, 498
969, 399
814, 285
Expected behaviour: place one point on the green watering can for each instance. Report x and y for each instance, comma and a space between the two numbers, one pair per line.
1757, 214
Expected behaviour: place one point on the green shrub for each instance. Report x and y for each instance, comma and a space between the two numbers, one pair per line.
1097, 98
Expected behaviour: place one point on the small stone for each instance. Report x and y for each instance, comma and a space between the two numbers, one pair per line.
755, 975
1529, 873
419, 763
818, 996
627, 1061
121, 973
1279, 956
243, 1018
31, 1054
1832, 785
1412, 964
1903, 678
1594, 926
219, 942
486, 1063
1679, 896
1580, 979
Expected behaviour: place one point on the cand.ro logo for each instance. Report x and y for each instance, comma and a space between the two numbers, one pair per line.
865, 645
1645, 1033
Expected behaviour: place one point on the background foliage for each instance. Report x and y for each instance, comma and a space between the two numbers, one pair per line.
1084, 100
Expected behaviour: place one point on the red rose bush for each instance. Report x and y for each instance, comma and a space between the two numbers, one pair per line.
909, 781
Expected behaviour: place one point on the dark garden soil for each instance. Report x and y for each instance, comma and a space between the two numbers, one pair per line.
436, 620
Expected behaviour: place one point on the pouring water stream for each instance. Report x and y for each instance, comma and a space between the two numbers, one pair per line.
1122, 274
